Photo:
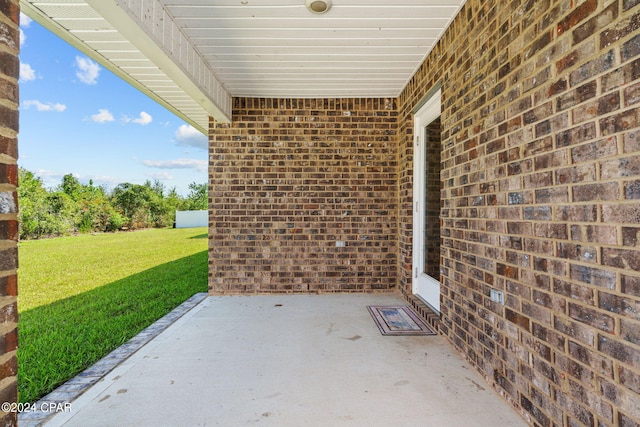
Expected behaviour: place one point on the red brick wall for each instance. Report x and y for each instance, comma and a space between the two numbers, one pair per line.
541, 161
290, 178
9, 68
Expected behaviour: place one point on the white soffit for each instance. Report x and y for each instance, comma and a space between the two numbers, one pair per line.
253, 48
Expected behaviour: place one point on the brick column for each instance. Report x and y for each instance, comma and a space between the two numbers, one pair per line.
9, 70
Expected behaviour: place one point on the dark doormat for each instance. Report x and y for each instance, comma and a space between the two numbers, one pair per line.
398, 320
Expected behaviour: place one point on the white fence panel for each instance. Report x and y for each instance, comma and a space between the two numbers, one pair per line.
189, 219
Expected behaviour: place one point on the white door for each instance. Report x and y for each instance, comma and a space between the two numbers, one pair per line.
426, 199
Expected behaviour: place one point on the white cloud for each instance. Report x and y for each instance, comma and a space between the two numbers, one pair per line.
41, 106
162, 176
26, 72
102, 180
50, 179
189, 136
102, 116
46, 173
25, 21
144, 119
88, 70
199, 165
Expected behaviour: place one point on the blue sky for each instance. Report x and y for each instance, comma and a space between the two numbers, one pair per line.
77, 117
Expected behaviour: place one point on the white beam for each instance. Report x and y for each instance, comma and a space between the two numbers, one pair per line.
147, 25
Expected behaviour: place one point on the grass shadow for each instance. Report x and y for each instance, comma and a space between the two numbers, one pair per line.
61, 339
200, 236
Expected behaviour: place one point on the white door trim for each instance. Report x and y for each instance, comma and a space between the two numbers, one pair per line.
424, 286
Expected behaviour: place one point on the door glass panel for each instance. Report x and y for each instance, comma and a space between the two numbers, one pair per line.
432, 199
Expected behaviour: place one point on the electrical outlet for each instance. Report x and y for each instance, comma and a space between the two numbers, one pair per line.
497, 296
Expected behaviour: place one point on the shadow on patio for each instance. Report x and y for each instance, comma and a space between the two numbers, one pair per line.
289, 360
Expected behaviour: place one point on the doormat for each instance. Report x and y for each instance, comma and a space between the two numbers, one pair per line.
398, 320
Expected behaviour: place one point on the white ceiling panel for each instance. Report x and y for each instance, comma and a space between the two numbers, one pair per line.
253, 48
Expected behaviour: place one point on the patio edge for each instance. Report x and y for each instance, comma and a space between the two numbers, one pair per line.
72, 389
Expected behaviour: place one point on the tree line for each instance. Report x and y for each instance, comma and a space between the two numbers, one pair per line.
73, 207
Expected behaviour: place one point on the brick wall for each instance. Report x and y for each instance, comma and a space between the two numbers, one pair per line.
9, 66
291, 177
541, 161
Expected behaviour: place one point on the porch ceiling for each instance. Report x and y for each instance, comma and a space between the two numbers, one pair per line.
193, 56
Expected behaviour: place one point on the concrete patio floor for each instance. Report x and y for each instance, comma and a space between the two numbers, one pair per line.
289, 360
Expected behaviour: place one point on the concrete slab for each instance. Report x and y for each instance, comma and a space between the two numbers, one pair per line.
289, 360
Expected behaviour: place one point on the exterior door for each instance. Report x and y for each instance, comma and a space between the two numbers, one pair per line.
426, 196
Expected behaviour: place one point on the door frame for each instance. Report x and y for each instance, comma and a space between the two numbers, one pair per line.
423, 286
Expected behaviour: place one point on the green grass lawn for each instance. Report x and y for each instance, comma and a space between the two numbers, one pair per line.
81, 297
